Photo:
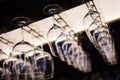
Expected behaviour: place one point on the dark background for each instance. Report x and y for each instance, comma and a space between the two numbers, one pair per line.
33, 10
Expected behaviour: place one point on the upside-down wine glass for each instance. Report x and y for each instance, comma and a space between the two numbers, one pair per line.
24, 68
39, 54
70, 46
9, 68
98, 33
66, 45
54, 49
3, 57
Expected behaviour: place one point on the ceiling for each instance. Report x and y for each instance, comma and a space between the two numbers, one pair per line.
28, 8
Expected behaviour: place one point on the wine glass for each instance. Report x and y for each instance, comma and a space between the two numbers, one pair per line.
37, 61
105, 43
50, 10
40, 64
68, 47
58, 43
54, 49
46, 65
49, 66
99, 34
3, 57
9, 68
43, 63
32, 60
83, 61
23, 66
